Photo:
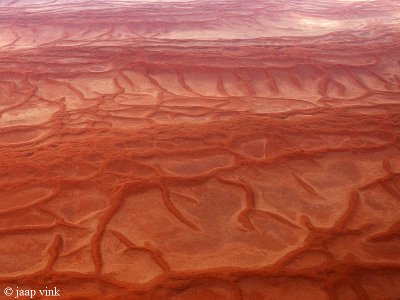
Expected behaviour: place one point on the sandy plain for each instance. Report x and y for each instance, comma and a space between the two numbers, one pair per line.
200, 149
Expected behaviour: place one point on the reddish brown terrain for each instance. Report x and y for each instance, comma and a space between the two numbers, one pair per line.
200, 149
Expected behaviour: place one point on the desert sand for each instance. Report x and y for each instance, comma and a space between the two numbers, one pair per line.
200, 149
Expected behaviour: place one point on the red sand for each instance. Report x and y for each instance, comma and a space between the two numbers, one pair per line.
200, 149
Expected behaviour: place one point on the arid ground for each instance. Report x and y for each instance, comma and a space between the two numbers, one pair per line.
200, 149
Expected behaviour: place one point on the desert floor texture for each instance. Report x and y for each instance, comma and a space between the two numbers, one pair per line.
200, 149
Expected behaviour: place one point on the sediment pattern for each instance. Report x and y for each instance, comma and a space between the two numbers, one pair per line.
201, 150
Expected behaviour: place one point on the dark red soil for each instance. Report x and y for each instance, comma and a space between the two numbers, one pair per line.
201, 149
